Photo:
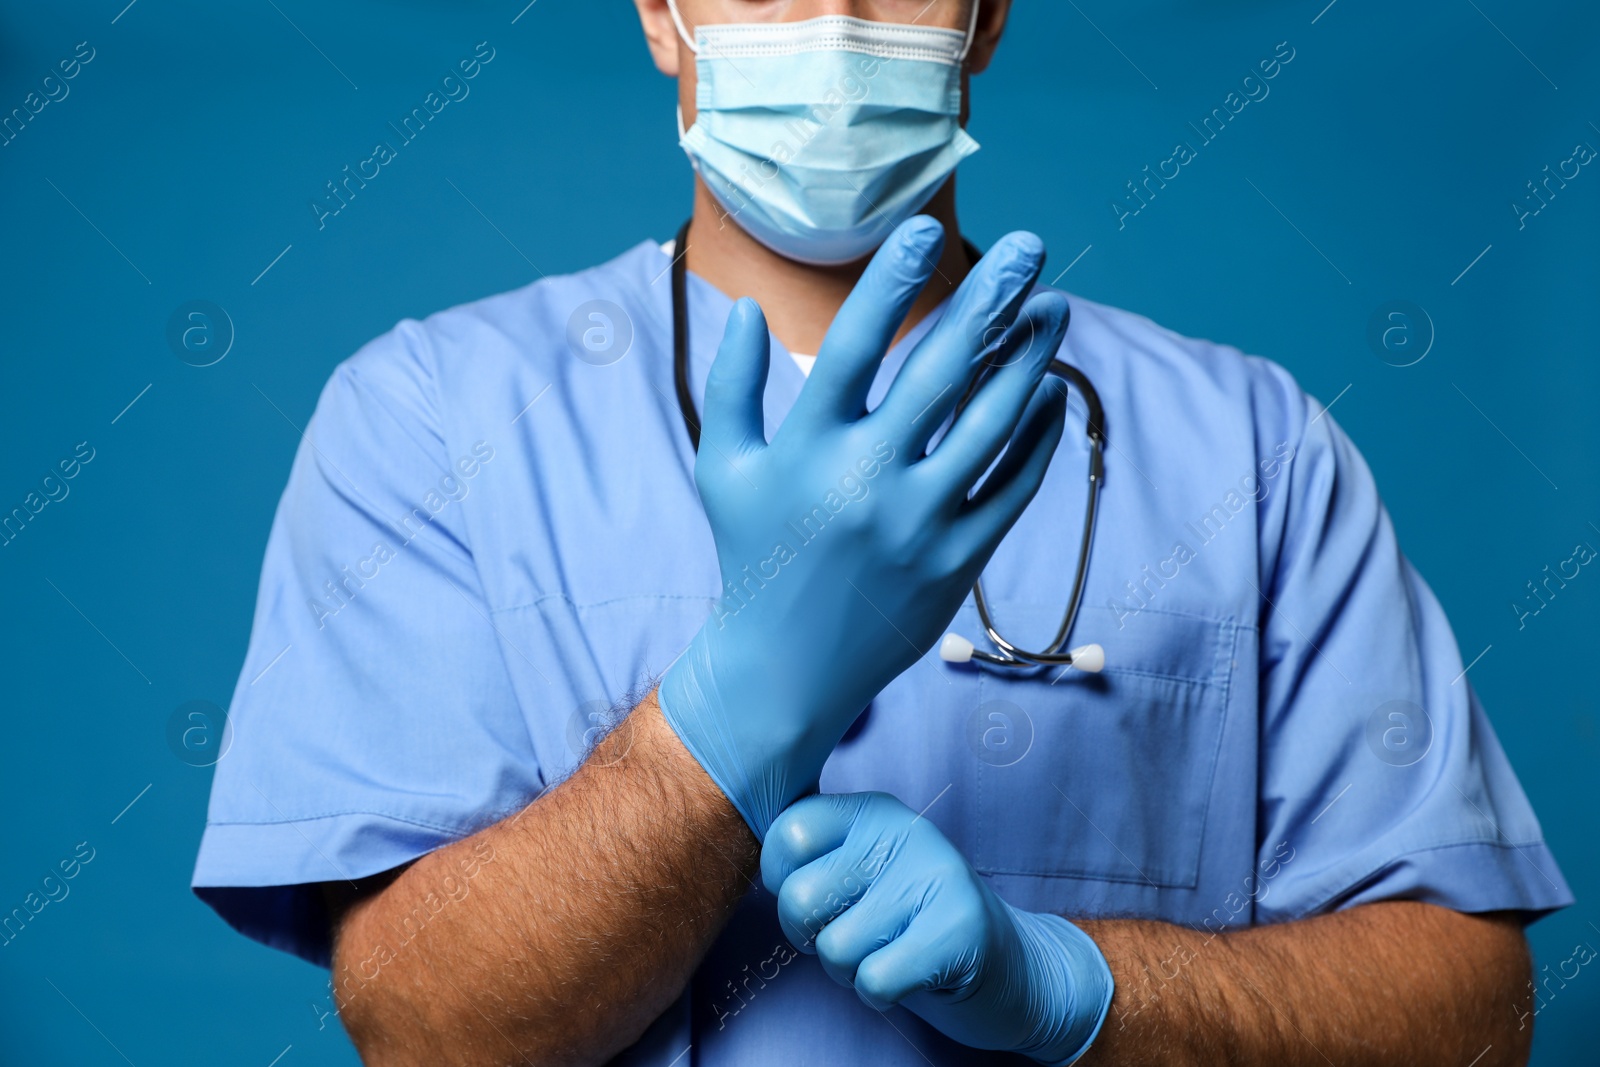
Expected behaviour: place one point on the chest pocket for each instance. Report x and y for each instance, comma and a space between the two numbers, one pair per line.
1104, 776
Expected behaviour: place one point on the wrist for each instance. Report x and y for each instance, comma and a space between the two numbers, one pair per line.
751, 746
653, 736
1072, 981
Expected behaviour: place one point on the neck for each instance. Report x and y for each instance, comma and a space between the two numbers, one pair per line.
800, 300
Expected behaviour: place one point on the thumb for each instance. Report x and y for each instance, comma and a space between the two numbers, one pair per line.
734, 423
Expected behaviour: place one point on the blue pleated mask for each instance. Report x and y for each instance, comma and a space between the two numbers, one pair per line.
820, 137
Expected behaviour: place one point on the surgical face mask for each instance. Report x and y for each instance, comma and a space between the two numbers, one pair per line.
820, 137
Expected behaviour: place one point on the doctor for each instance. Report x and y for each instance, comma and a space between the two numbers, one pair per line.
1276, 828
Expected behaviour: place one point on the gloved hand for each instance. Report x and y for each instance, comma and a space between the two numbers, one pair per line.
894, 911
845, 546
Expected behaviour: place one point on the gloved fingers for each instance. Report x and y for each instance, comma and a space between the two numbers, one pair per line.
733, 421
876, 919
937, 374
807, 830
824, 859
862, 331
938, 949
819, 894
1006, 493
991, 417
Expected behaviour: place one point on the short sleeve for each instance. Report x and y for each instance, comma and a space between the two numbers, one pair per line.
1381, 777
375, 718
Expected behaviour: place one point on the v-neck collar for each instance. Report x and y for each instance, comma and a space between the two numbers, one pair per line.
708, 315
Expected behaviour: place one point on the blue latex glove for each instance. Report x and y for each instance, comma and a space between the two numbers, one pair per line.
895, 912
845, 546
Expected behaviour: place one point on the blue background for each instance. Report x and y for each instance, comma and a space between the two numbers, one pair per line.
1383, 164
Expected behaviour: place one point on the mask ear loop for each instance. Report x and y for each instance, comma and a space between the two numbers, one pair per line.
683, 32
972, 29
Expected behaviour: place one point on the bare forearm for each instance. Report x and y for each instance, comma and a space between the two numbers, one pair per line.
1388, 983
582, 921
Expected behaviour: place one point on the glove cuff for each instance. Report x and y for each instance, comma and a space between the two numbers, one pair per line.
1071, 963
753, 769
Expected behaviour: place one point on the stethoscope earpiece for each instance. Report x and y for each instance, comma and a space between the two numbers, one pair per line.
955, 649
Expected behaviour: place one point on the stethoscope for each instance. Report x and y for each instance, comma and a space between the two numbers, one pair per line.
954, 648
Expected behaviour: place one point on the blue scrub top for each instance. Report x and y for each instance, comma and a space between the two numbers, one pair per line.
487, 539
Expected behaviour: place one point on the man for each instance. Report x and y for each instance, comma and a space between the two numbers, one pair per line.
1276, 828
